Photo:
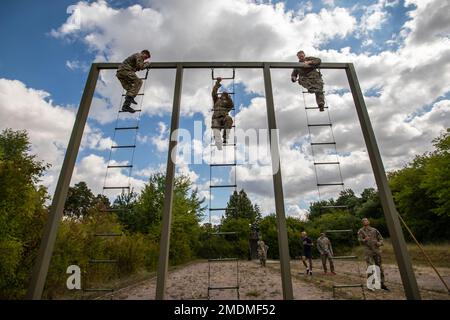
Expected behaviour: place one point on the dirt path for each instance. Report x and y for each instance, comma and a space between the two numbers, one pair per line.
191, 282
348, 273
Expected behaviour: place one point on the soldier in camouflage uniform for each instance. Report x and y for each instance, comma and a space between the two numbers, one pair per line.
310, 78
326, 252
372, 240
126, 73
262, 252
220, 118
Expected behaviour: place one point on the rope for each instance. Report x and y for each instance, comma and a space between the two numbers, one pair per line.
138, 120
135, 138
424, 253
233, 114
312, 147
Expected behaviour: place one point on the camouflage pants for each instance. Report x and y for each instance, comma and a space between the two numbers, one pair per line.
326, 257
130, 82
262, 258
314, 85
222, 122
374, 258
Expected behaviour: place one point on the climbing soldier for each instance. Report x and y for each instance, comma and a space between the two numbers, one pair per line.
220, 118
309, 77
128, 78
262, 252
372, 241
326, 252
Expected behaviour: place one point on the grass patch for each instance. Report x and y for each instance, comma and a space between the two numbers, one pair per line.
439, 253
253, 293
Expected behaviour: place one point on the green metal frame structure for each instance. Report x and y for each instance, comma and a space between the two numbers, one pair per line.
40, 269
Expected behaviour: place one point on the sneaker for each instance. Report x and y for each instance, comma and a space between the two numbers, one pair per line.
128, 109
310, 273
307, 272
325, 273
219, 144
333, 273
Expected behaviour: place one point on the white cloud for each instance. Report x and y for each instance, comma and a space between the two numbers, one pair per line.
92, 168
409, 80
48, 125
161, 141
77, 65
429, 21
106, 31
374, 17
328, 3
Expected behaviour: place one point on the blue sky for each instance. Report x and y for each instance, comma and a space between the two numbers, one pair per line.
42, 55
30, 52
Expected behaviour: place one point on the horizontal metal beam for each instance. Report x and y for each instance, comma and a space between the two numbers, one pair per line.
230, 64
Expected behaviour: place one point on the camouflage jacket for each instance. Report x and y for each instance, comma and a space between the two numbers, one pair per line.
370, 238
221, 106
134, 63
307, 72
324, 246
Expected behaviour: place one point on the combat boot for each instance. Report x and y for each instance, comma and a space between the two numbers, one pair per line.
128, 109
132, 100
126, 105
321, 107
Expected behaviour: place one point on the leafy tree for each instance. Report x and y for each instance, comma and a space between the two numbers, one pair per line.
240, 214
80, 200
124, 206
421, 191
22, 211
240, 206
437, 175
269, 234
348, 198
316, 209
143, 212
371, 208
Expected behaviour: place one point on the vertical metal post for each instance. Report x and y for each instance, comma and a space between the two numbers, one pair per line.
40, 269
390, 212
170, 176
283, 246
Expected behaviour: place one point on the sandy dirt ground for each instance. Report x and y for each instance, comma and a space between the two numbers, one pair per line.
353, 272
191, 282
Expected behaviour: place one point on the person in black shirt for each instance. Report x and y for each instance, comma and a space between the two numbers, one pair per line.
307, 254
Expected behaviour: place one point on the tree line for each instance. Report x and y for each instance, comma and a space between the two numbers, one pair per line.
420, 191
